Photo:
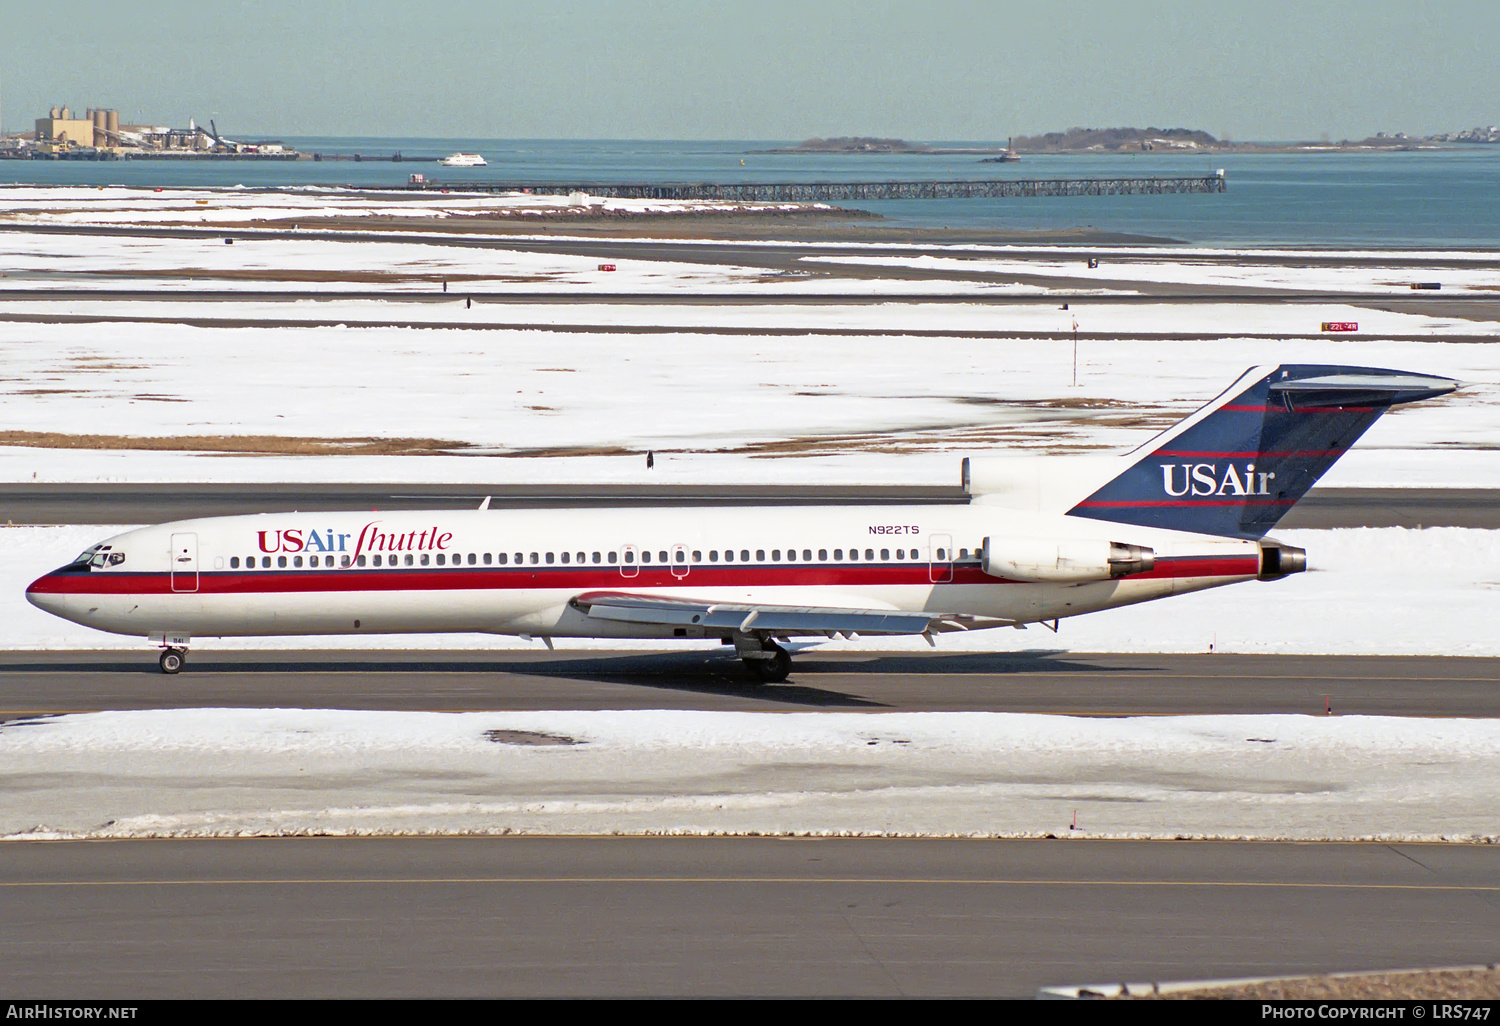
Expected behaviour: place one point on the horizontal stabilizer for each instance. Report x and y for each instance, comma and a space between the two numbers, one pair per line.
1385, 388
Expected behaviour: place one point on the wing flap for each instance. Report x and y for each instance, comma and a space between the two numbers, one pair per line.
676, 612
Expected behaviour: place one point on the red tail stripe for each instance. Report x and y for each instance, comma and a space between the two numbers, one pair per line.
1178, 503
1254, 455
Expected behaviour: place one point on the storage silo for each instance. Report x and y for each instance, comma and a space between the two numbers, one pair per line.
100, 138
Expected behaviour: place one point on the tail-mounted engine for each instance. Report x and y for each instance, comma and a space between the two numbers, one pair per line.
1278, 560
1064, 560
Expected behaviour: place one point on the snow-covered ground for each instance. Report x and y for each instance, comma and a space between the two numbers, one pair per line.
119, 205
218, 772
1183, 269
513, 392
41, 262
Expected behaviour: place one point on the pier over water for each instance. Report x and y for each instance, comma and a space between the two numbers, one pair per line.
816, 192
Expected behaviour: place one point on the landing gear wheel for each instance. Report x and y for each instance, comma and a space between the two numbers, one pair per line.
172, 660
773, 670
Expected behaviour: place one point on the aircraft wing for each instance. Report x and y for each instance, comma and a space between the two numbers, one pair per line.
758, 616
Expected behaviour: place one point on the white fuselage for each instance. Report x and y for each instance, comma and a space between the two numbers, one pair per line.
517, 571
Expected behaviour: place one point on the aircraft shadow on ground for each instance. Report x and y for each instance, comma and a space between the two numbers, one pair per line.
696, 672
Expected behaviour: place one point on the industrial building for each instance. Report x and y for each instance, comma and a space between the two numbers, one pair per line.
99, 134
99, 129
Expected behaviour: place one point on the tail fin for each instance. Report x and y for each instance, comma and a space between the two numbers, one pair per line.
1238, 464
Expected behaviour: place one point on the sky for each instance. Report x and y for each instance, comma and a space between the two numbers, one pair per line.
767, 70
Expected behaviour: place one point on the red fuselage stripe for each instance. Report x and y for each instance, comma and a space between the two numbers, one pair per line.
357, 579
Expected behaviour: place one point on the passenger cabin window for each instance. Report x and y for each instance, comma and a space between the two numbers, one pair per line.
234, 562
760, 555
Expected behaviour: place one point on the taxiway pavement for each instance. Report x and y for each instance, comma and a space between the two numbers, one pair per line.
703, 917
1042, 681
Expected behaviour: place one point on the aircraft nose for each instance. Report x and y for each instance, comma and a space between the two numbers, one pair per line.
44, 593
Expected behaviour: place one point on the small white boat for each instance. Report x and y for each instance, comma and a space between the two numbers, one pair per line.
463, 160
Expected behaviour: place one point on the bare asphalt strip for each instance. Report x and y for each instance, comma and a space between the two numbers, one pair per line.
26, 503
1046, 679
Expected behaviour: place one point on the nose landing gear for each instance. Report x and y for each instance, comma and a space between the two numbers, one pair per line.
174, 646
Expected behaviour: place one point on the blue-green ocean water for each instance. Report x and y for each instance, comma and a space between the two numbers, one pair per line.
1426, 199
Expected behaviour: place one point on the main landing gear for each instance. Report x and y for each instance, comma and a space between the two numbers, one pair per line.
173, 659
768, 661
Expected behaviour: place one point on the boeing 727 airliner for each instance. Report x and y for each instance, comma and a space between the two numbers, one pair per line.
1041, 538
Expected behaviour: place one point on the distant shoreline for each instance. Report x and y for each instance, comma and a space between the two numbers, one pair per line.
1121, 141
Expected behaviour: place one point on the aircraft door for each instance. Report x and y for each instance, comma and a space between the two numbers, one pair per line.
184, 562
630, 564
680, 563
940, 555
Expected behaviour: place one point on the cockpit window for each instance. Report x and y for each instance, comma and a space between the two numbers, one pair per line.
90, 556
97, 556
